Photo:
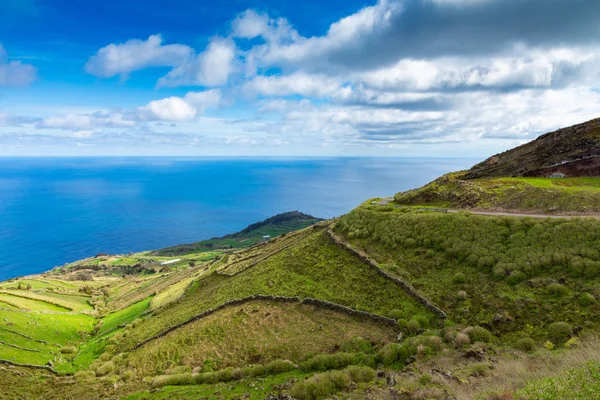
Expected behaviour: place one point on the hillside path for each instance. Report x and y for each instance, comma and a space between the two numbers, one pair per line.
387, 200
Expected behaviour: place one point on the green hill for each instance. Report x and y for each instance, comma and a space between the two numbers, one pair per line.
279, 224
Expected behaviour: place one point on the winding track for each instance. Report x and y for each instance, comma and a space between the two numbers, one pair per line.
387, 200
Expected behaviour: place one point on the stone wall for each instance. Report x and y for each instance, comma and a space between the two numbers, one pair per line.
370, 262
282, 299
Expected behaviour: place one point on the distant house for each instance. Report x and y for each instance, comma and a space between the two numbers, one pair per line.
170, 261
267, 237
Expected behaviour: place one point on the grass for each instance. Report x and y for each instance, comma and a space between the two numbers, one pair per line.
581, 383
257, 332
26, 303
124, 316
67, 301
539, 195
315, 267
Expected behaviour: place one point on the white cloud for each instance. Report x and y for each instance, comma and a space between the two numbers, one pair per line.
296, 84
250, 24
80, 122
135, 54
210, 68
178, 109
15, 73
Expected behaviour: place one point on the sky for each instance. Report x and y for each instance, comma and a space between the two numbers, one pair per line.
420, 78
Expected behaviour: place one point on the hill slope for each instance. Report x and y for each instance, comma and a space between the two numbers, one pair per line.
570, 144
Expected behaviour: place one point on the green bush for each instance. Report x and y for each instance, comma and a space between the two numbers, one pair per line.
323, 362
586, 299
395, 314
173, 380
479, 334
360, 374
525, 344
105, 368
224, 375
413, 327
459, 278
559, 332
425, 379
68, 349
254, 371
394, 352
557, 290
357, 344
328, 383
279, 366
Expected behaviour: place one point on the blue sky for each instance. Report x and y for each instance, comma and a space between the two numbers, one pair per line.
459, 78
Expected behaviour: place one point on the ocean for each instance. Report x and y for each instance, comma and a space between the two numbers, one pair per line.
58, 210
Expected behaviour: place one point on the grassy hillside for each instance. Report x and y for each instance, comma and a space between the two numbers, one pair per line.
279, 224
537, 195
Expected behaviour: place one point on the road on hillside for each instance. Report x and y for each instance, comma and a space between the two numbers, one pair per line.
387, 200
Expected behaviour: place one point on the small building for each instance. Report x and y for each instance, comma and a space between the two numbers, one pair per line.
267, 237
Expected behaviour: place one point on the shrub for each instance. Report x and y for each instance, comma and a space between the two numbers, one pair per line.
68, 349
525, 344
479, 334
413, 327
557, 290
82, 375
316, 387
462, 339
127, 375
360, 374
105, 368
586, 299
357, 344
425, 379
395, 314
326, 384
559, 332
224, 375
459, 278
173, 380
323, 362
279, 366
394, 352
479, 370
434, 342
255, 370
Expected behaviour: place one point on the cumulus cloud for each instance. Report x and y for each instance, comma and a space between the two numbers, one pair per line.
424, 29
15, 73
180, 109
210, 68
122, 59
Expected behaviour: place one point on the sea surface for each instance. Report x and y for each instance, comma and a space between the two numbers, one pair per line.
58, 210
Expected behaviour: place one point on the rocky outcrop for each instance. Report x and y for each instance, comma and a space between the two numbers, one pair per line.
564, 145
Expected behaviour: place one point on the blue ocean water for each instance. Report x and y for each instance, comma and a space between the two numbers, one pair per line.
57, 210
